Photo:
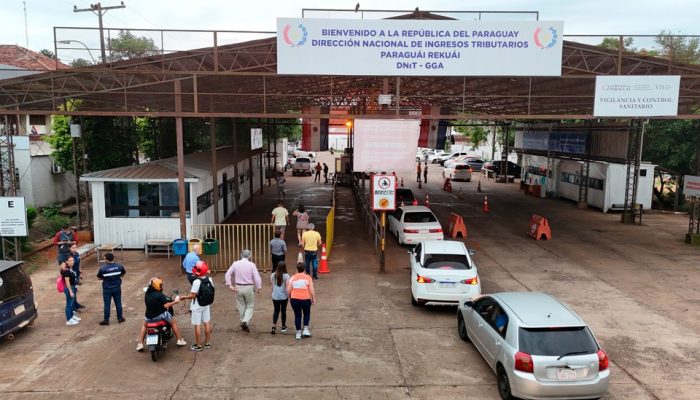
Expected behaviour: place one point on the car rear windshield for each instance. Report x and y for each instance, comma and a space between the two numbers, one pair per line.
13, 282
422, 216
301, 160
557, 341
446, 261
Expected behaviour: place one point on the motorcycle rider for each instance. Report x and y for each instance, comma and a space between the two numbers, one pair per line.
157, 305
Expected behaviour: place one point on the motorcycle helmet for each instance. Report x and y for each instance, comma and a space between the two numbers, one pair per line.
200, 269
156, 283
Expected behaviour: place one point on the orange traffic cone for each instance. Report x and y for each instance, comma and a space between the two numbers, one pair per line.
486, 204
323, 267
401, 182
415, 202
427, 200
478, 187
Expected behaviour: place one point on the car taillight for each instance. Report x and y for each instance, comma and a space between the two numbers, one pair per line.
152, 331
410, 230
603, 361
472, 281
439, 230
523, 362
424, 279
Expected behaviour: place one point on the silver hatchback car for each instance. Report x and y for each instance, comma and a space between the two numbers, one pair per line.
537, 346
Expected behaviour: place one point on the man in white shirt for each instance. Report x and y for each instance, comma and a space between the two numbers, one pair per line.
201, 313
280, 218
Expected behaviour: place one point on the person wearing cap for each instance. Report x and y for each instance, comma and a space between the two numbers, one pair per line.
111, 276
157, 305
200, 314
244, 280
311, 242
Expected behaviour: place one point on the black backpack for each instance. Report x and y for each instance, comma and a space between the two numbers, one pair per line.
205, 296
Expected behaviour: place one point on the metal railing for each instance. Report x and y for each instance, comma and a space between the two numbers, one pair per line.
233, 238
369, 217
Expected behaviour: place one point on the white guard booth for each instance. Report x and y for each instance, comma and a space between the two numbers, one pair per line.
137, 203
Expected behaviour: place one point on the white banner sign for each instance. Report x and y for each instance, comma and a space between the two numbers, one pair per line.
309, 46
691, 185
256, 140
383, 192
636, 96
13, 216
385, 145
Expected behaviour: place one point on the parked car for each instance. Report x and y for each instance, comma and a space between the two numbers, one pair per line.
302, 166
430, 154
447, 156
537, 346
17, 306
511, 169
404, 197
413, 224
452, 161
476, 163
443, 273
459, 172
304, 153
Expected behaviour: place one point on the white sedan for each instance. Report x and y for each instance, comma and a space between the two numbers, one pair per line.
413, 224
460, 171
442, 273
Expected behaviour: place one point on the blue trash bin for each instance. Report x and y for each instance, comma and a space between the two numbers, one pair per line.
180, 247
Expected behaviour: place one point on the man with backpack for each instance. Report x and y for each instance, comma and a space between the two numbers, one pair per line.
63, 240
202, 295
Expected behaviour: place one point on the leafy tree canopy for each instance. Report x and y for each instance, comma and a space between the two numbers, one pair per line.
127, 46
80, 62
48, 53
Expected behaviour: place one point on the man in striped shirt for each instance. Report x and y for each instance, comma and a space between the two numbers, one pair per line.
111, 276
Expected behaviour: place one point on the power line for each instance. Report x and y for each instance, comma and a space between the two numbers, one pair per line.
98, 10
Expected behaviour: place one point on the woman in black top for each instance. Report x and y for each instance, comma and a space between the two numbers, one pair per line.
68, 276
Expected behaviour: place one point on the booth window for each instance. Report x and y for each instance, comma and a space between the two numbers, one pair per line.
143, 200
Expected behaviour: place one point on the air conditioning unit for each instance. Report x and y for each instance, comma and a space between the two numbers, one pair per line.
56, 169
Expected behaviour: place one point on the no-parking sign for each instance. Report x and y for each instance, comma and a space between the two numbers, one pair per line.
383, 193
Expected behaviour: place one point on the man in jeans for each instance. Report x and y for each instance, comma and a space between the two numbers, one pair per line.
278, 249
311, 241
244, 280
111, 276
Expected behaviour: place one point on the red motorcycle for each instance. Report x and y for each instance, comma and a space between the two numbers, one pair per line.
158, 334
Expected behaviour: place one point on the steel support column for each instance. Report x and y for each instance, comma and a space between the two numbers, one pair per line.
180, 163
693, 220
236, 181
10, 245
634, 147
214, 169
585, 172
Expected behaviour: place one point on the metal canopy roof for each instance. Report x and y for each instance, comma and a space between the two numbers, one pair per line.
240, 80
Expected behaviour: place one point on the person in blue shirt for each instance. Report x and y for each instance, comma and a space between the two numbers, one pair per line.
190, 260
111, 276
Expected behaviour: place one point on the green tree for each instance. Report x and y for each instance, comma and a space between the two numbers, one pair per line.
127, 46
61, 142
477, 134
678, 48
614, 43
48, 53
80, 62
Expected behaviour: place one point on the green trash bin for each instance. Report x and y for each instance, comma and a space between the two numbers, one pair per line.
211, 246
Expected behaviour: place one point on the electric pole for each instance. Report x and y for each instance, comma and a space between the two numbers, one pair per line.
98, 10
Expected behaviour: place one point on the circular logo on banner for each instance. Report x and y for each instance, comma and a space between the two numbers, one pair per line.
545, 39
295, 35
384, 183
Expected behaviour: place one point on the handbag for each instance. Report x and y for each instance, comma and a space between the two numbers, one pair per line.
60, 284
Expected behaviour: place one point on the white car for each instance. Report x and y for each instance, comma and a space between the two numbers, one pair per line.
442, 273
448, 156
430, 154
459, 172
452, 161
414, 224
304, 153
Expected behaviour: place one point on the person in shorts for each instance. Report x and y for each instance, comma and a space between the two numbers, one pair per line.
200, 314
280, 218
157, 305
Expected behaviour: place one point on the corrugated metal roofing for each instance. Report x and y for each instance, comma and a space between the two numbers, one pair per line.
197, 165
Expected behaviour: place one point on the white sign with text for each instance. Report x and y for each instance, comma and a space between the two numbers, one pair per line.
13, 216
316, 46
385, 145
383, 192
691, 185
636, 96
256, 138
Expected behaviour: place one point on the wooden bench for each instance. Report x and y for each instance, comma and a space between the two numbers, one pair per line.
158, 246
86, 250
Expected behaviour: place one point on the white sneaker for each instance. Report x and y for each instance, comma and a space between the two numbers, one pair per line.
77, 318
306, 332
71, 322
181, 342
139, 347
298, 336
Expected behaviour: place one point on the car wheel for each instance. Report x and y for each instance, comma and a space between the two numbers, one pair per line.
469, 180
504, 384
462, 327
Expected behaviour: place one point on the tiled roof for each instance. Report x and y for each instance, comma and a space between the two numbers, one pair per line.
26, 59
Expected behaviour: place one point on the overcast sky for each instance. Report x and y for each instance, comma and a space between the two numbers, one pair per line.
579, 16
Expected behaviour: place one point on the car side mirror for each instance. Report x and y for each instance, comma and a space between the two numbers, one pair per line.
471, 252
468, 304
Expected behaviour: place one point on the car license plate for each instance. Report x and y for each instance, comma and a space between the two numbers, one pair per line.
448, 284
151, 339
19, 309
565, 374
